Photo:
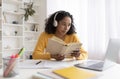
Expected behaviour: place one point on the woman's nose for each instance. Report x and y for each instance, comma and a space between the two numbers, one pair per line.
66, 27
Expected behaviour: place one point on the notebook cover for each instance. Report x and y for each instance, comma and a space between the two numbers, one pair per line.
74, 73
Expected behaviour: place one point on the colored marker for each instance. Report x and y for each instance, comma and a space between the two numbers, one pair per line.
21, 51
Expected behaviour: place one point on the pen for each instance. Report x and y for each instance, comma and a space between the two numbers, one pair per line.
38, 62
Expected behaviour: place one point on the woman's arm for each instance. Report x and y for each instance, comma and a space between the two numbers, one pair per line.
40, 47
82, 54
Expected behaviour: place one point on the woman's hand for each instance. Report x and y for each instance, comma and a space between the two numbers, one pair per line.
58, 57
76, 53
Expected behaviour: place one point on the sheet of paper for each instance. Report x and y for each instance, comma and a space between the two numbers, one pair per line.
47, 63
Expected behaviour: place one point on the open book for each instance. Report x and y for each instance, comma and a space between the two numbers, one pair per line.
58, 46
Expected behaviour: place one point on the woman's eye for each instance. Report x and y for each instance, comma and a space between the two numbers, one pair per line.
69, 25
64, 24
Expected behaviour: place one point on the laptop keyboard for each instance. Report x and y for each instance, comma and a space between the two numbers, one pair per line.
97, 65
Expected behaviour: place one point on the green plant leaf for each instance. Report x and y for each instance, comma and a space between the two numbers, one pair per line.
29, 11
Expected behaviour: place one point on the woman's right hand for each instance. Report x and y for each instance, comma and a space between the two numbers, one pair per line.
58, 57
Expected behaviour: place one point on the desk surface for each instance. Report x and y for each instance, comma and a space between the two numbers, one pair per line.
110, 73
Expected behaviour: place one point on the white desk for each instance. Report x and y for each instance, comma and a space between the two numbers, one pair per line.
111, 73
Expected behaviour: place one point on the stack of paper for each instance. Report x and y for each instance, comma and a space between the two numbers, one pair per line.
46, 63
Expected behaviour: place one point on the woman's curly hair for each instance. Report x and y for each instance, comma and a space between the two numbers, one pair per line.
51, 29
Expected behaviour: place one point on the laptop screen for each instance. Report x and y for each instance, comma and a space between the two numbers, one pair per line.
0, 60
112, 51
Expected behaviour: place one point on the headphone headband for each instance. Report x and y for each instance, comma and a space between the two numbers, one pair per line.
55, 16
55, 21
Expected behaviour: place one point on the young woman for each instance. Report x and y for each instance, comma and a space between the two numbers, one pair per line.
61, 25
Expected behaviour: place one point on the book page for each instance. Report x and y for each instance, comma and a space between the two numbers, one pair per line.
54, 47
71, 47
58, 40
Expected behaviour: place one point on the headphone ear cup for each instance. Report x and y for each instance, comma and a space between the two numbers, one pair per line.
55, 23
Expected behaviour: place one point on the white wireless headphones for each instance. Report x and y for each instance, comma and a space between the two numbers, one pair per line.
55, 23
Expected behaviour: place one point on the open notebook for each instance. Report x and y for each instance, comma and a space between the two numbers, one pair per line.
110, 57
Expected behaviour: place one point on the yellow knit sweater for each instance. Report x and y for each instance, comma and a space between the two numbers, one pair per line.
42, 43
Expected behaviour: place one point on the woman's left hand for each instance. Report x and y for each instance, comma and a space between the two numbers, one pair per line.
75, 54
58, 57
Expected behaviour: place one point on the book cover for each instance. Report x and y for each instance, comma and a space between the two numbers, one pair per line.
58, 46
74, 73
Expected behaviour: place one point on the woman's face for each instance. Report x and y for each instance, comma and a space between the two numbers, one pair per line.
63, 26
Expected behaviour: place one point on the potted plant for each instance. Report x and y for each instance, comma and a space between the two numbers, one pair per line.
29, 11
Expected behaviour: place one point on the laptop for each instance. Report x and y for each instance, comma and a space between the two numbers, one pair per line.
0, 60
109, 60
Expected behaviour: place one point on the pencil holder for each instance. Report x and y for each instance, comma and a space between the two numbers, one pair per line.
10, 67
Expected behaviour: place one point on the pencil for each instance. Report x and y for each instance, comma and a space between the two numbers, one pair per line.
38, 62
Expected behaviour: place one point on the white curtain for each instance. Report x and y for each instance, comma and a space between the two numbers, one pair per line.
96, 21
100, 22
96, 29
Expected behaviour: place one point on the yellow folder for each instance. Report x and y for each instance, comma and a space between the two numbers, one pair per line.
74, 73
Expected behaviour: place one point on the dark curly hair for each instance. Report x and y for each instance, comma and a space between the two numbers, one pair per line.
51, 29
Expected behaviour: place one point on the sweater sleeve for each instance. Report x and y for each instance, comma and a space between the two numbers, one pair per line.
42, 42
83, 53
40, 46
